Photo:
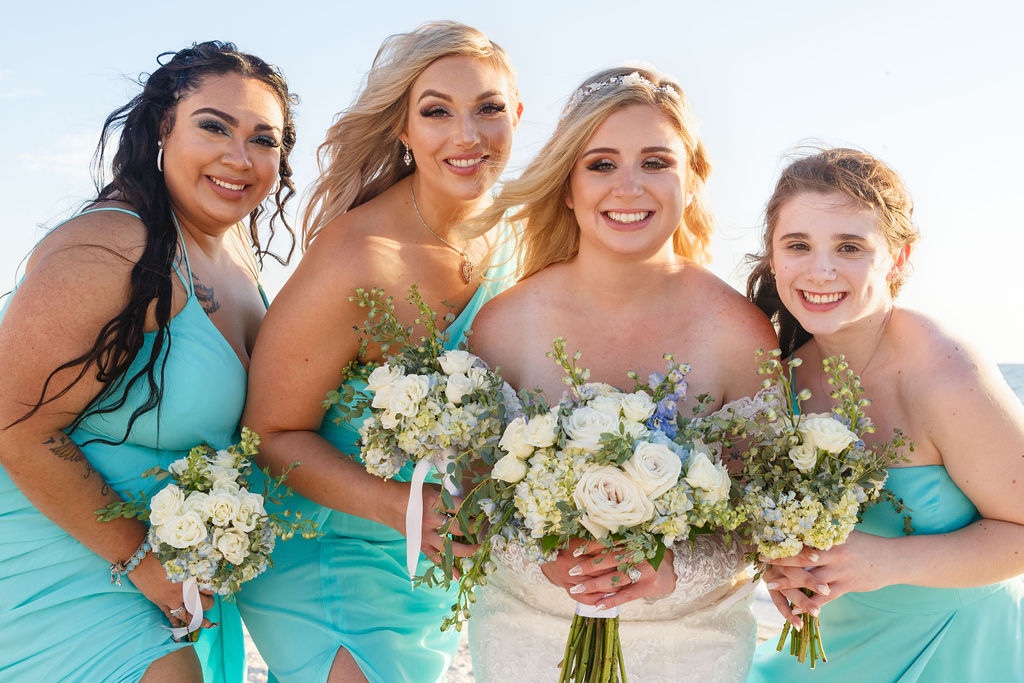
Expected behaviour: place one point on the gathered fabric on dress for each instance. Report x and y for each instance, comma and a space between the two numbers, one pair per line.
914, 633
61, 618
350, 588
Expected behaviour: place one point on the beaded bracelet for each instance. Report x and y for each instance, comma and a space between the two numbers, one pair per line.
119, 569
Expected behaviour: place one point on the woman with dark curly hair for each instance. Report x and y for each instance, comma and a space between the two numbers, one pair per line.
126, 344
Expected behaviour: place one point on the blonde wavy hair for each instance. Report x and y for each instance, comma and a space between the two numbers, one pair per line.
362, 155
549, 232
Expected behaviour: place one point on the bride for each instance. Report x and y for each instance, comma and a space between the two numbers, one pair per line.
615, 229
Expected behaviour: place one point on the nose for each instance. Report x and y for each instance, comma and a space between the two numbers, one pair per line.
467, 133
628, 183
237, 154
823, 269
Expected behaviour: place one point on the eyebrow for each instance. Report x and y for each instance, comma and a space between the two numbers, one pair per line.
447, 98
231, 120
838, 237
645, 150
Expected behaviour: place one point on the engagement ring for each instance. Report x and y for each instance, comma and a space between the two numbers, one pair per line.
177, 612
633, 574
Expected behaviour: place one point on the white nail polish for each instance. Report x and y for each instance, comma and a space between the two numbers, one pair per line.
577, 588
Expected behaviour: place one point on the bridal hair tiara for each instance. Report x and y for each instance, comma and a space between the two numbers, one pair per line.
634, 78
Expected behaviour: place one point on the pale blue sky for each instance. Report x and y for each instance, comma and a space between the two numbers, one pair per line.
931, 87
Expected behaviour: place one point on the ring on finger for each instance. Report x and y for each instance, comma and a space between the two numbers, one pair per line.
177, 612
634, 574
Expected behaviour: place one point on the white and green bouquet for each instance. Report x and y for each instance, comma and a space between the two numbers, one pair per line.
210, 532
442, 410
619, 467
809, 476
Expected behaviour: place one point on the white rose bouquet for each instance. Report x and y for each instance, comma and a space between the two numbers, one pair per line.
209, 531
620, 467
440, 409
809, 476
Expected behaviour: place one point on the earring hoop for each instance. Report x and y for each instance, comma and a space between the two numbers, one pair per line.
160, 159
407, 157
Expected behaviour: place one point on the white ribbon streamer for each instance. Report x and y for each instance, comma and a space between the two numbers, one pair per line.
193, 605
593, 612
414, 510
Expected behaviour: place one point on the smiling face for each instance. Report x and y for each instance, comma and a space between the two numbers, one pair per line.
832, 262
223, 152
460, 125
627, 189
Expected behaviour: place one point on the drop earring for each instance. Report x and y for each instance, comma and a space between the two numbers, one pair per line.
407, 157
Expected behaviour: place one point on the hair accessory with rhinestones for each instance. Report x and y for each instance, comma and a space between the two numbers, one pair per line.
634, 78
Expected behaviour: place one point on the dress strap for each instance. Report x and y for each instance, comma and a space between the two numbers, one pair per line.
189, 286
792, 388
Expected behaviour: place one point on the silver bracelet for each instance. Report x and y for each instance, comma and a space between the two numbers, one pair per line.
119, 569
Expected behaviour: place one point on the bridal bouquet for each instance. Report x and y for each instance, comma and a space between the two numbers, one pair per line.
809, 476
619, 467
440, 409
209, 531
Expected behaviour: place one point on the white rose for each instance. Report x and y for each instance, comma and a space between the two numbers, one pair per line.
702, 473
168, 502
804, 456
453, 362
826, 432
222, 477
542, 430
220, 507
458, 385
408, 393
609, 404
388, 420
232, 544
586, 425
223, 459
610, 500
184, 531
637, 407
654, 467
249, 512
196, 502
509, 469
382, 383
513, 439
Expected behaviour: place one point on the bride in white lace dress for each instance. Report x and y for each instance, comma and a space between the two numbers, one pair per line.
614, 231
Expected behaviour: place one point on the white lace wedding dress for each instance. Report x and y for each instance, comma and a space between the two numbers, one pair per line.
704, 631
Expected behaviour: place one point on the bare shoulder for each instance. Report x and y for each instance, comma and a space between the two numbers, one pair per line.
107, 237
726, 308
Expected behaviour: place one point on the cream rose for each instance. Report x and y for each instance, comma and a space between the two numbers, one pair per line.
232, 544
220, 507
382, 383
637, 407
408, 393
702, 473
610, 500
826, 432
654, 467
249, 512
542, 430
184, 531
456, 361
510, 469
804, 456
513, 439
167, 503
457, 387
586, 425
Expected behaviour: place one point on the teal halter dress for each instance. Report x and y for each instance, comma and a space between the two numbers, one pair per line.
60, 616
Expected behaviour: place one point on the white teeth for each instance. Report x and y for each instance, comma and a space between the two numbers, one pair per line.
229, 186
634, 217
823, 298
465, 163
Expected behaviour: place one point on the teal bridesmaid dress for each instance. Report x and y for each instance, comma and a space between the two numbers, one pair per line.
350, 587
913, 633
61, 619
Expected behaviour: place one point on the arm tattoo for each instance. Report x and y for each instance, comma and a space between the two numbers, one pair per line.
67, 450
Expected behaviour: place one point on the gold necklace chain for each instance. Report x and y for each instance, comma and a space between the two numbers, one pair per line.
466, 269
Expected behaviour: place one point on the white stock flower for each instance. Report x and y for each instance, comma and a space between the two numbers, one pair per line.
638, 406
167, 503
232, 544
702, 473
183, 531
458, 385
654, 467
804, 456
510, 469
542, 430
220, 507
586, 425
610, 500
513, 440
456, 361
826, 432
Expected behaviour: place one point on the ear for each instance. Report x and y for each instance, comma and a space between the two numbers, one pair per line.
900, 261
567, 198
518, 115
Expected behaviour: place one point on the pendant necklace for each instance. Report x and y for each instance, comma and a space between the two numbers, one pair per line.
466, 269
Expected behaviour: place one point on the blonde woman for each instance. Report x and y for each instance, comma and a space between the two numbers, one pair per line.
402, 169
615, 229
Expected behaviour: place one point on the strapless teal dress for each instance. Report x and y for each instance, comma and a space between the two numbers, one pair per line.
350, 587
61, 619
912, 633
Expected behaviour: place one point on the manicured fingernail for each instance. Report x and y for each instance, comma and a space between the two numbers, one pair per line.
823, 589
600, 606
813, 557
797, 625
798, 610
815, 611
581, 549
577, 588
576, 571
772, 585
